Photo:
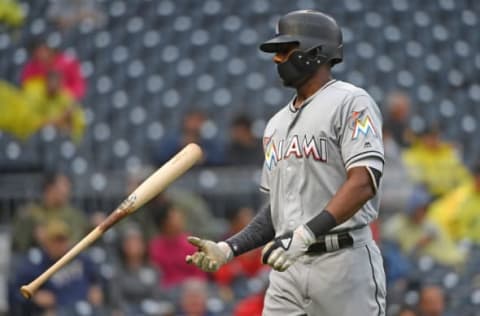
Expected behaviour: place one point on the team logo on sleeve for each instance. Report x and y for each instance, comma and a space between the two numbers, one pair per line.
362, 124
271, 153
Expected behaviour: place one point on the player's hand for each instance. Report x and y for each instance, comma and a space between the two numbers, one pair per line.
210, 255
284, 250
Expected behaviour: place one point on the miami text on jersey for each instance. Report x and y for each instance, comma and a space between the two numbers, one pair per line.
307, 147
362, 125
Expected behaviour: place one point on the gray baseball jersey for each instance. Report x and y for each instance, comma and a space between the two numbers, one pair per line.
308, 152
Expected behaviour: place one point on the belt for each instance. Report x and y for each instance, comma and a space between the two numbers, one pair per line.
329, 243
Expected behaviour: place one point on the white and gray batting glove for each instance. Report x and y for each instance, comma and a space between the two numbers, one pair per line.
210, 255
284, 250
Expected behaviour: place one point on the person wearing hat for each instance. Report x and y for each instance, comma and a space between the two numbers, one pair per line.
55, 205
76, 282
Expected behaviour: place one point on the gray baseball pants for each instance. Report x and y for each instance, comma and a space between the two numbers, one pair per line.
346, 282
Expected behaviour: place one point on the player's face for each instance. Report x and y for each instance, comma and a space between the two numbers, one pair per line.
284, 52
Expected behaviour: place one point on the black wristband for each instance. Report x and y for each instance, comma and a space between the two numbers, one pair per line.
322, 223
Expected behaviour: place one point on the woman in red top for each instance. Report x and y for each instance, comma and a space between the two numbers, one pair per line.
169, 248
45, 59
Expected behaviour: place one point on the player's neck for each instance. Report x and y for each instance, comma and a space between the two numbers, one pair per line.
312, 85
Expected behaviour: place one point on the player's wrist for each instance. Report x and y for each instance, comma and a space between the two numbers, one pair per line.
307, 236
322, 223
226, 249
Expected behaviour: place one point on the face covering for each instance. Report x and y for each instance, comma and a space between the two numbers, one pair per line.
299, 67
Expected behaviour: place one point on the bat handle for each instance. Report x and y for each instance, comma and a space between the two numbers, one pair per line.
29, 290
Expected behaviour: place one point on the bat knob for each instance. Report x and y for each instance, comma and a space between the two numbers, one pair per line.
26, 292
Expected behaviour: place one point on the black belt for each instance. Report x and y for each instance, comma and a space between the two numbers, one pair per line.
329, 243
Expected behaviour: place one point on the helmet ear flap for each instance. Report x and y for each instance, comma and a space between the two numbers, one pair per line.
317, 56
310, 60
315, 52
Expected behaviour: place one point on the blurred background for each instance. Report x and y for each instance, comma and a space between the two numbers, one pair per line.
95, 94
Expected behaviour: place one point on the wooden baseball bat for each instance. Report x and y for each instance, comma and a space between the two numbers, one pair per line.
151, 187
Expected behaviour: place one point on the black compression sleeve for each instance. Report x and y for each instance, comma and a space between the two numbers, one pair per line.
257, 233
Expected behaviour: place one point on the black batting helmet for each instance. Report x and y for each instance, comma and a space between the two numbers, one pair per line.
310, 30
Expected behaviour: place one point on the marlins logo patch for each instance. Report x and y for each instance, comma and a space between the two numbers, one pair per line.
361, 123
271, 155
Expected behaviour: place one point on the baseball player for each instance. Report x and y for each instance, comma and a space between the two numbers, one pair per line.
321, 177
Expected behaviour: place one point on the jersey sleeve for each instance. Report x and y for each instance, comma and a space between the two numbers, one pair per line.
360, 131
264, 181
265, 178
267, 161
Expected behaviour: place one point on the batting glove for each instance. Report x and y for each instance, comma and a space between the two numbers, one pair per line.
284, 250
210, 255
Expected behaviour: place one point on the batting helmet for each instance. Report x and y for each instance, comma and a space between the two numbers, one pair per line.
310, 30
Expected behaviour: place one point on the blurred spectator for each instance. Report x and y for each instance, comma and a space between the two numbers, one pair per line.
407, 311
192, 132
398, 266
45, 59
237, 272
17, 117
416, 235
54, 205
40, 102
435, 163
54, 105
398, 117
432, 301
193, 298
466, 222
75, 283
169, 249
244, 147
393, 196
443, 211
68, 13
199, 219
250, 306
11, 13
135, 281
